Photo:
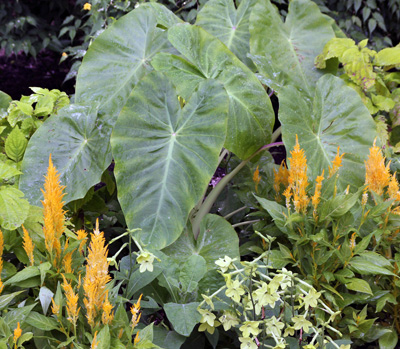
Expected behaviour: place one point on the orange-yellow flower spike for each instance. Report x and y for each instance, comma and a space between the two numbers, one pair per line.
377, 175
137, 339
108, 315
28, 246
256, 177
280, 177
336, 163
95, 342
72, 302
17, 333
316, 198
53, 212
393, 188
298, 180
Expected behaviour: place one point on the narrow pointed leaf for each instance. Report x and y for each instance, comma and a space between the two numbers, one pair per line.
336, 116
80, 150
165, 155
221, 19
284, 52
205, 57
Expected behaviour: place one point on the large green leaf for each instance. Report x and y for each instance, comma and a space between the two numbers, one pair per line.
14, 208
336, 116
251, 116
183, 317
80, 149
284, 53
165, 155
217, 239
221, 19
118, 59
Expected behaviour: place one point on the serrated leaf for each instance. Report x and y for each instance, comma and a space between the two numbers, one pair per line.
284, 53
165, 156
14, 208
15, 144
7, 171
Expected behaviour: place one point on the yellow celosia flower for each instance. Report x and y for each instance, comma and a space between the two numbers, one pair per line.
28, 245
72, 302
298, 180
137, 339
336, 163
256, 177
55, 308
97, 277
316, 198
135, 312
87, 6
82, 236
393, 188
377, 175
280, 177
94, 341
67, 260
17, 334
108, 315
53, 212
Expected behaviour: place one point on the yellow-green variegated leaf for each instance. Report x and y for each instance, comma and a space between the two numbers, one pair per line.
335, 116
229, 24
206, 57
165, 155
388, 56
284, 52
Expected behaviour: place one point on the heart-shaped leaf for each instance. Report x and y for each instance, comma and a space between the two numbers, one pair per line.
80, 148
284, 52
165, 155
336, 116
250, 110
221, 19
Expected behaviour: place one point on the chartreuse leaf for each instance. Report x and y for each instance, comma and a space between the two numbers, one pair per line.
335, 117
192, 272
5, 100
104, 338
14, 208
359, 285
205, 57
79, 148
221, 19
284, 53
118, 59
15, 144
165, 155
217, 239
183, 317
7, 171
356, 60
388, 56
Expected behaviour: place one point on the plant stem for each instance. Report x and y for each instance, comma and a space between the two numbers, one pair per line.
245, 223
209, 201
276, 134
229, 215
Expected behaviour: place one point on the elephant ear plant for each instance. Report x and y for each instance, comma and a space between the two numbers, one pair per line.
168, 101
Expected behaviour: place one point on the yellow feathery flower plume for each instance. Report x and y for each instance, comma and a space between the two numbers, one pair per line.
72, 302
377, 175
53, 212
94, 341
67, 260
108, 315
316, 198
280, 177
17, 334
96, 279
336, 163
82, 237
28, 245
137, 339
135, 312
256, 177
1, 258
298, 180
55, 308
393, 188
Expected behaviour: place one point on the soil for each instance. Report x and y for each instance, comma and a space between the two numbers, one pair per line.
19, 72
